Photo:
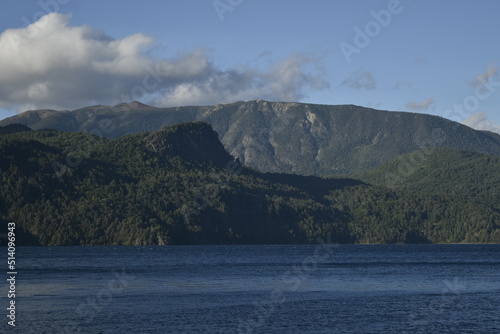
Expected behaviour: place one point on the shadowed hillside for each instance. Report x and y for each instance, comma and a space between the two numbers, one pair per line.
179, 186
296, 138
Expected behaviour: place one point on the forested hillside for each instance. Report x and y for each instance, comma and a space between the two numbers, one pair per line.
472, 176
179, 186
297, 138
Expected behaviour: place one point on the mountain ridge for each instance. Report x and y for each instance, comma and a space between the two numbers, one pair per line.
285, 137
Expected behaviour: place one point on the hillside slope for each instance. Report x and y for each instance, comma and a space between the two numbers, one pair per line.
473, 176
179, 186
297, 138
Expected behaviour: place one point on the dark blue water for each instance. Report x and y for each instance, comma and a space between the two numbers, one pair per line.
257, 289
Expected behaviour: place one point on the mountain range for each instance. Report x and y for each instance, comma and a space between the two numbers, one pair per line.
179, 185
296, 138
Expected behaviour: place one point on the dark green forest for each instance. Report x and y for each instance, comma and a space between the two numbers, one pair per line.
283, 137
178, 185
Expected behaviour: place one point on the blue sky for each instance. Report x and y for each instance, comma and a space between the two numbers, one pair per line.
436, 57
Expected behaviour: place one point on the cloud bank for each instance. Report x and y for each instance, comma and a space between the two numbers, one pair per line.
479, 121
51, 64
418, 106
481, 80
360, 80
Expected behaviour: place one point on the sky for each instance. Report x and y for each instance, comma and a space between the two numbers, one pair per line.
435, 57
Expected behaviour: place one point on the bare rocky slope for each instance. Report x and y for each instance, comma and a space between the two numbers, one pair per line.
297, 138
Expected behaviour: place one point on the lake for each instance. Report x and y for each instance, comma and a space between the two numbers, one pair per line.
320, 288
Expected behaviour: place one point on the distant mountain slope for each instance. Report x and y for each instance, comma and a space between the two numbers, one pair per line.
474, 176
298, 138
179, 186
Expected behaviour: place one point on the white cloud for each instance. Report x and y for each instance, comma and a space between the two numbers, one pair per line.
359, 80
374, 105
483, 78
51, 64
479, 121
418, 106
284, 82
402, 85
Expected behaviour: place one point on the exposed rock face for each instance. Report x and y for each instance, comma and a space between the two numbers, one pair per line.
192, 141
296, 138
